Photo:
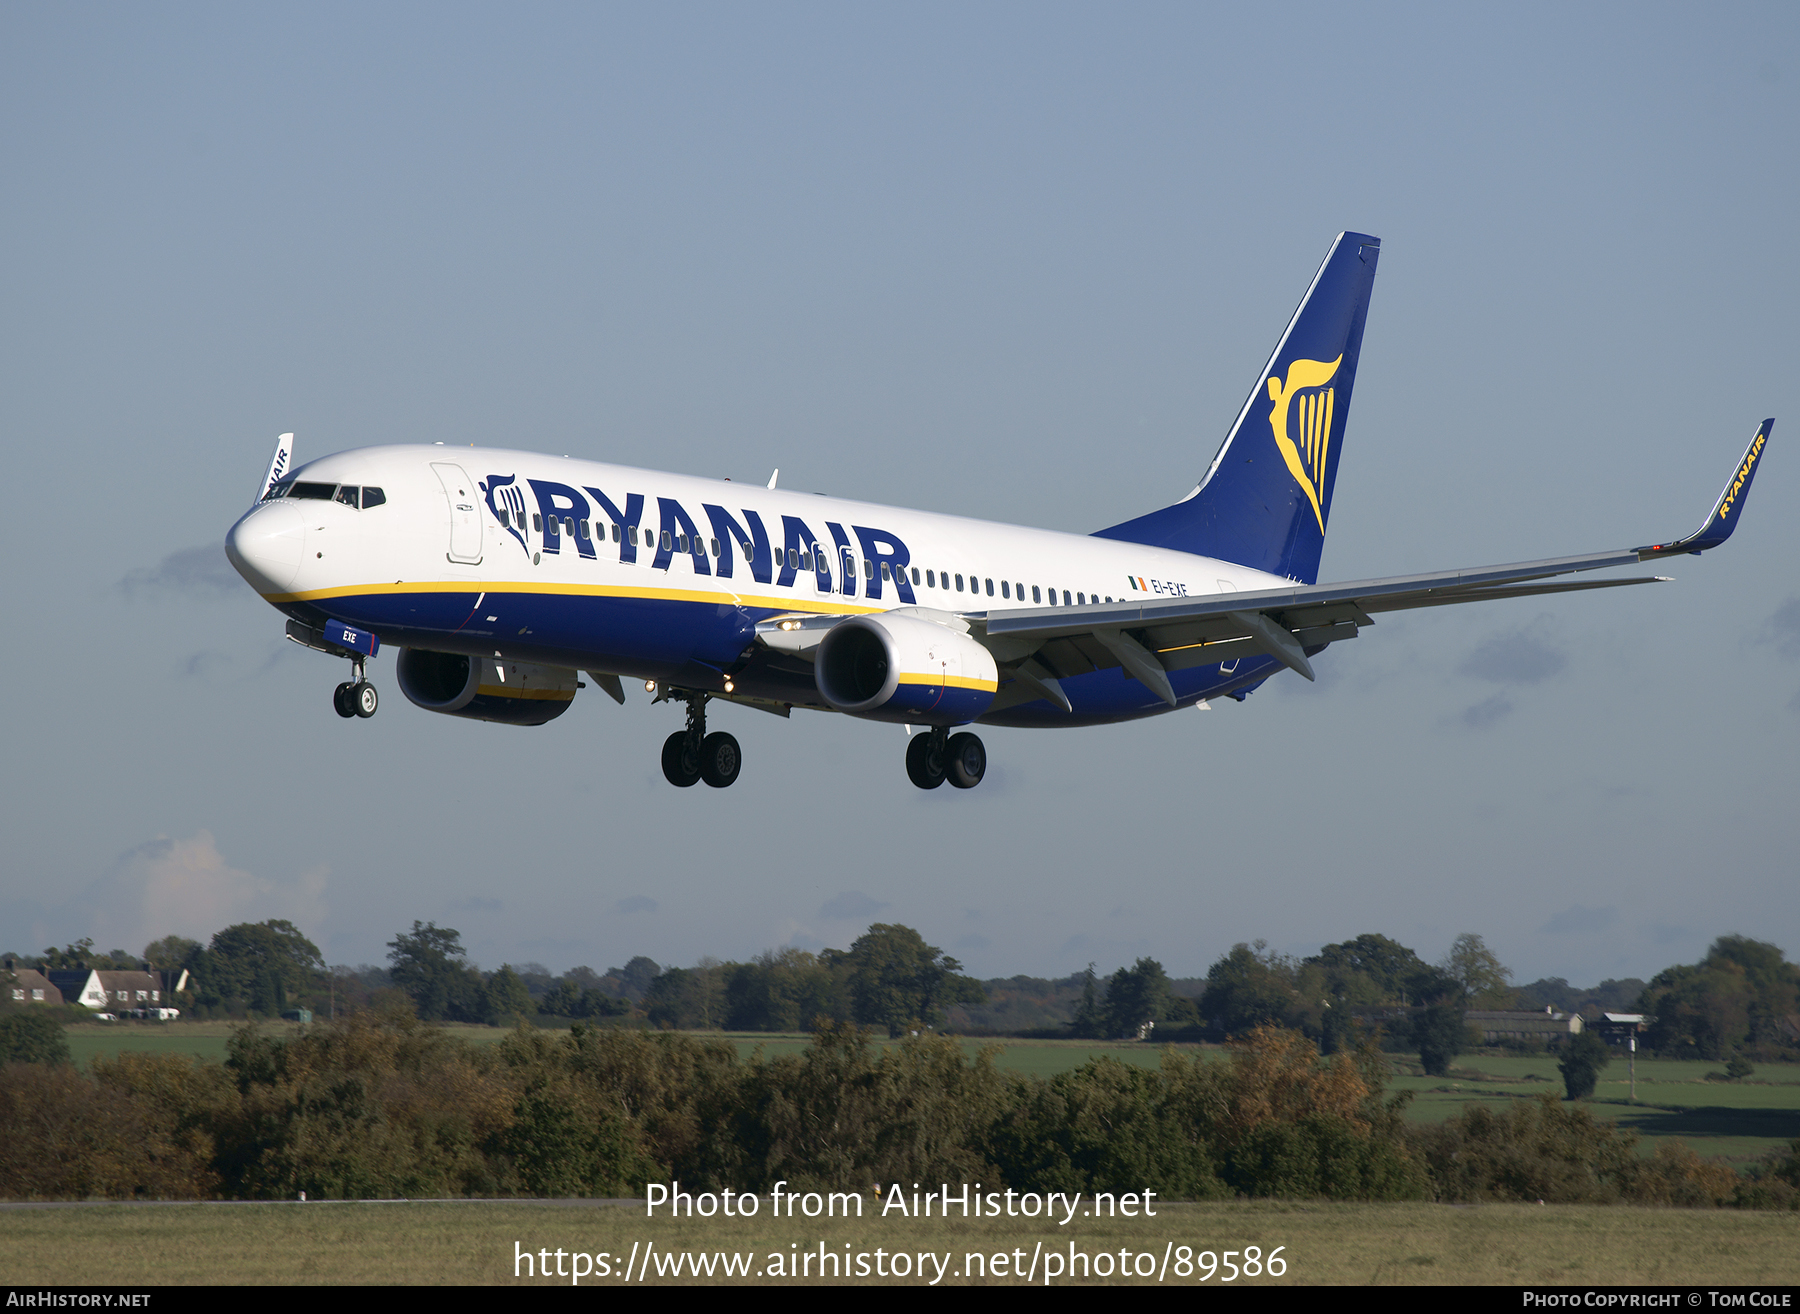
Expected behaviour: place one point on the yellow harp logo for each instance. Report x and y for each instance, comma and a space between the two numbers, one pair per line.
1305, 458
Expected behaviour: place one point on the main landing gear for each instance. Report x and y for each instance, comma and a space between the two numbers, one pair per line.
937, 756
356, 697
692, 755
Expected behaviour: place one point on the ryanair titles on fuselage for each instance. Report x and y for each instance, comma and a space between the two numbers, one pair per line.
565, 518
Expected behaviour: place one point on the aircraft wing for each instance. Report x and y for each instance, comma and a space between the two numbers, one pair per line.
1039, 646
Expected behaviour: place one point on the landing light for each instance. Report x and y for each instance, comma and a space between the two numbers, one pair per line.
649, 686
729, 686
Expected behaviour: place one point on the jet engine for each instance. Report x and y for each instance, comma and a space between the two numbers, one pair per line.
485, 688
892, 667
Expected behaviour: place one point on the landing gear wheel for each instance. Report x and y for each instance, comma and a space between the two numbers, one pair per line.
680, 764
720, 759
340, 699
965, 760
924, 761
363, 699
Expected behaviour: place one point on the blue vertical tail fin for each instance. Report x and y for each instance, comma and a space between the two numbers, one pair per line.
1266, 499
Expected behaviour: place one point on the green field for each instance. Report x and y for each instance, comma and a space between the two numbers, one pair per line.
1737, 1121
477, 1242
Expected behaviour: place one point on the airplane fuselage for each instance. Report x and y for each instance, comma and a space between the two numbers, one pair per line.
664, 577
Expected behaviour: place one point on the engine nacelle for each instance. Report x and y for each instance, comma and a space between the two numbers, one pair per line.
900, 668
485, 688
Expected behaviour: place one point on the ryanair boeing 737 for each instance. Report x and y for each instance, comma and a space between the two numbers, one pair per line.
502, 575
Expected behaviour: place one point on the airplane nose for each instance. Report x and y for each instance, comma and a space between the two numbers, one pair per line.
265, 546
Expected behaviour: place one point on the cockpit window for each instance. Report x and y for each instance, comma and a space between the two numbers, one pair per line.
347, 493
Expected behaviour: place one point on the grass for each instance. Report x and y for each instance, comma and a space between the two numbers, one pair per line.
1737, 1121
474, 1242
203, 1040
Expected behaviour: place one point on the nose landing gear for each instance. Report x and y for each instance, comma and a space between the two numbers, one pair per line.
937, 756
356, 697
692, 755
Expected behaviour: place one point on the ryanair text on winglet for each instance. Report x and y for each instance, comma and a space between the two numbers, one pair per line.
1743, 475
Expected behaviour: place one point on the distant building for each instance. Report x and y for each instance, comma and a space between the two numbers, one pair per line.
1619, 1028
110, 991
1497, 1024
25, 985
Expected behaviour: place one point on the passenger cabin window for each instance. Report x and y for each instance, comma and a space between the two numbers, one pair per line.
1036, 594
931, 579
884, 571
915, 571
1081, 599
959, 587
990, 588
1005, 589
537, 522
584, 530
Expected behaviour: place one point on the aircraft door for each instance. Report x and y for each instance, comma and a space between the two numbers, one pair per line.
821, 571
465, 517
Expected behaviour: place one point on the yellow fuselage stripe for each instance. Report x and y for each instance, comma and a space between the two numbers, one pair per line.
774, 602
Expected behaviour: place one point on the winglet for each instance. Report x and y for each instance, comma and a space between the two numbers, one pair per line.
1725, 512
279, 465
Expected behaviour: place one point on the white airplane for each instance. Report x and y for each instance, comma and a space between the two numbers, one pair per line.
501, 575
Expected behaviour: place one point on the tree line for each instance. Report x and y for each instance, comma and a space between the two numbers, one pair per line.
1740, 1002
379, 1105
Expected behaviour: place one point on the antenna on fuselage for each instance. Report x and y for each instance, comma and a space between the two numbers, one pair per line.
775, 476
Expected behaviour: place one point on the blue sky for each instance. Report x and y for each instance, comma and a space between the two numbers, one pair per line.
1015, 261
